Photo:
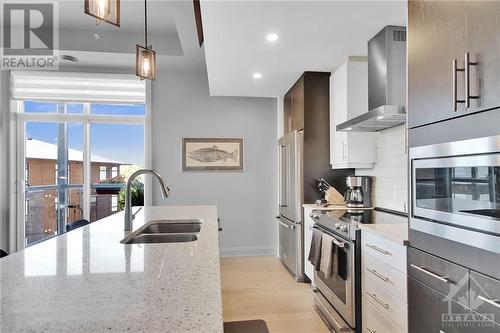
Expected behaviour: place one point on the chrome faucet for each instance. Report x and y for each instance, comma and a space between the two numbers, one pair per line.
165, 191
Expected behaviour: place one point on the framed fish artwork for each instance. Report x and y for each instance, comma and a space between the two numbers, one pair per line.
220, 154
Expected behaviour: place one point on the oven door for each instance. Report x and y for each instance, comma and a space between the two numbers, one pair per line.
462, 191
339, 292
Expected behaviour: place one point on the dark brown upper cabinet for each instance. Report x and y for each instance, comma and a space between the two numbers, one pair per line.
442, 35
307, 108
294, 107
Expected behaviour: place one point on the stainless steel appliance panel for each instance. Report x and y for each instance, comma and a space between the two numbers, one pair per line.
340, 293
290, 177
290, 247
455, 189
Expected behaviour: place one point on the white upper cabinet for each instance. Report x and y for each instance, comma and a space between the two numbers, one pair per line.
349, 99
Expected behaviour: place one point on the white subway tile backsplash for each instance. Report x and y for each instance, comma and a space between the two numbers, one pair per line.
390, 171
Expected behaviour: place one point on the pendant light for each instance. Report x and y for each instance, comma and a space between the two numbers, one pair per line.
104, 10
145, 56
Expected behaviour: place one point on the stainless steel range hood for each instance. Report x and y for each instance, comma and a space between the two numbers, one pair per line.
386, 83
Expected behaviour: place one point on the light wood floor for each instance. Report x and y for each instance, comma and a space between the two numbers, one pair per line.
261, 288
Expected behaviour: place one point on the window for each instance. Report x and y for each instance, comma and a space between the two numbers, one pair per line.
83, 134
55, 195
103, 173
114, 172
114, 203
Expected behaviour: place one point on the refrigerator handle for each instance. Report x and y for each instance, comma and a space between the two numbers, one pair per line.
283, 180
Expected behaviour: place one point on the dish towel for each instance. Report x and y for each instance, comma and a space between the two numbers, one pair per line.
315, 250
326, 261
329, 258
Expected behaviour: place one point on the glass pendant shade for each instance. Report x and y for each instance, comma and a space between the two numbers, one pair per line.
104, 10
145, 62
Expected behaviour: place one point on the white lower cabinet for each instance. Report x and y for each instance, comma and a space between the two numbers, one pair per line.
308, 224
375, 321
384, 285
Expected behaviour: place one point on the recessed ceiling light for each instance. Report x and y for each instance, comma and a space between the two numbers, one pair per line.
348, 128
380, 117
257, 76
272, 37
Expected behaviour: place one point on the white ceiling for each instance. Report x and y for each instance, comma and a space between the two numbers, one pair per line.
116, 45
160, 20
179, 51
313, 36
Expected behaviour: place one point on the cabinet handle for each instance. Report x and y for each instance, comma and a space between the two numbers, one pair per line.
493, 302
371, 331
378, 249
291, 227
377, 274
434, 275
467, 64
385, 305
455, 70
344, 157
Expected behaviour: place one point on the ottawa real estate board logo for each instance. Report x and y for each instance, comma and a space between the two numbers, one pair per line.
29, 35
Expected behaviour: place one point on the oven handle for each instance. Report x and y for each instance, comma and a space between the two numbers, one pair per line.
335, 239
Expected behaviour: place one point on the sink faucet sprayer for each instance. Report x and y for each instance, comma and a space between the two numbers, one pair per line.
165, 191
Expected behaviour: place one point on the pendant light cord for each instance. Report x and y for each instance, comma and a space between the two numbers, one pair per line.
146, 23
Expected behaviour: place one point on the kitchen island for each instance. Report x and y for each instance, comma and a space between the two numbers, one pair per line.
87, 281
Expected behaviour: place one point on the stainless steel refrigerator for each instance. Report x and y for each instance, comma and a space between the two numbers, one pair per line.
290, 203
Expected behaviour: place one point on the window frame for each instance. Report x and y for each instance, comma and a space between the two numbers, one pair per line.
17, 236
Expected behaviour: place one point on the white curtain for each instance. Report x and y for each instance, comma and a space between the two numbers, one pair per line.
77, 87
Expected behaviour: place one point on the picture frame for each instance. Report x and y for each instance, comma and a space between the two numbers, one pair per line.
212, 154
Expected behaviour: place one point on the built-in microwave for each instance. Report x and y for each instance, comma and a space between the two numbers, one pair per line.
455, 191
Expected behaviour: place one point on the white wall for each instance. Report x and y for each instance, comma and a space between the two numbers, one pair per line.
246, 200
390, 173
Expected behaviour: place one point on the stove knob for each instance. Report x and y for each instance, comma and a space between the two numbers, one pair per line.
337, 226
343, 228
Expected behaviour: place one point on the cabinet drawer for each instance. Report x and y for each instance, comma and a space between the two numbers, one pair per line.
391, 253
390, 278
385, 302
487, 295
441, 275
430, 311
375, 321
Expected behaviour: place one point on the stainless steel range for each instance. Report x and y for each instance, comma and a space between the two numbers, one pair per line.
339, 299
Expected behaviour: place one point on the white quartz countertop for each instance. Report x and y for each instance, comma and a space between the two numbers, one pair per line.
394, 229
87, 281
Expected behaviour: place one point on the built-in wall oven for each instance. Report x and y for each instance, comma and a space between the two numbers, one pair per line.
456, 191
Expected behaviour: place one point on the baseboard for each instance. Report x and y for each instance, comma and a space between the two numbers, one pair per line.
246, 251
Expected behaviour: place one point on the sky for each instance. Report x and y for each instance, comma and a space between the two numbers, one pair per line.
124, 143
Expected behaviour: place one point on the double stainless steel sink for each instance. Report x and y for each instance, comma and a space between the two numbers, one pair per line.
165, 231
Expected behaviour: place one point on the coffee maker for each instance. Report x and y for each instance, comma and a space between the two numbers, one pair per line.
358, 194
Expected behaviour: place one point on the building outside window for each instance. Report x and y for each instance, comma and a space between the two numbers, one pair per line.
114, 172
114, 203
103, 173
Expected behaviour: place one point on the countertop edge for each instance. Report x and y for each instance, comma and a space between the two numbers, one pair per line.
391, 236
